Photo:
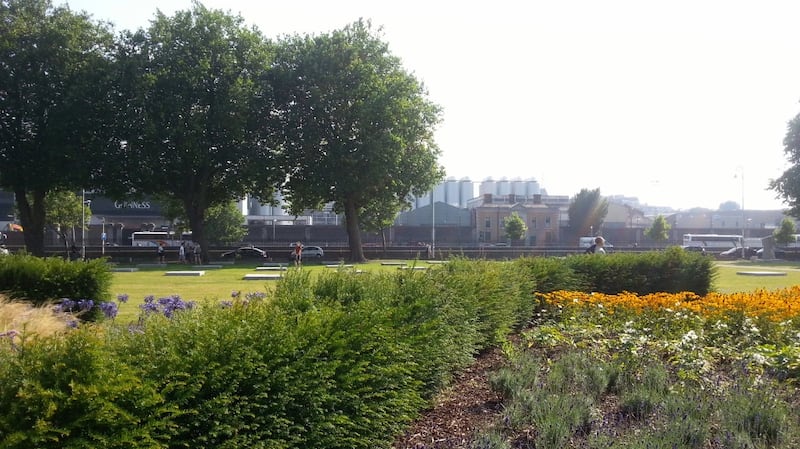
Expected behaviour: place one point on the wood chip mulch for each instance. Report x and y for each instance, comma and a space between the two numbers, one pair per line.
468, 406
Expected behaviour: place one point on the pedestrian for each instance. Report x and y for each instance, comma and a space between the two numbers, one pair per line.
198, 256
182, 253
298, 254
162, 257
597, 247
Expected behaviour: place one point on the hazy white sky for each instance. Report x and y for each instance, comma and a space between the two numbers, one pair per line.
669, 102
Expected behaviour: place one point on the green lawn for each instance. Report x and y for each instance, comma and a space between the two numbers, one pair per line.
218, 283
215, 285
728, 281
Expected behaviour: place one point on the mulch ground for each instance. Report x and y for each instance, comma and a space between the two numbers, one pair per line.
468, 406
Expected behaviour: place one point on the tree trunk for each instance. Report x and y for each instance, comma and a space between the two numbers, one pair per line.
196, 217
353, 232
32, 218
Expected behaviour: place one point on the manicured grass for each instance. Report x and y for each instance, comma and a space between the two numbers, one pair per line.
729, 282
216, 284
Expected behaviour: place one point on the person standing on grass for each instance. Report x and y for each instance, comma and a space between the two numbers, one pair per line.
298, 254
198, 259
182, 253
161, 253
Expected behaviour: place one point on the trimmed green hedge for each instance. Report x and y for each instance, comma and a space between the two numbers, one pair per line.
40, 280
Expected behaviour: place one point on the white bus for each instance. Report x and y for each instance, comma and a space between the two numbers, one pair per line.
155, 238
719, 241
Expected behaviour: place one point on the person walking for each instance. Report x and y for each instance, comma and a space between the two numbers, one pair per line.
182, 253
162, 257
597, 247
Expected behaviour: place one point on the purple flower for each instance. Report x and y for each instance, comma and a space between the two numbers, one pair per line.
9, 334
167, 305
109, 309
255, 296
122, 297
235, 294
226, 304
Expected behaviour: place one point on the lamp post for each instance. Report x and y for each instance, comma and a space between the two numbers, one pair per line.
433, 226
83, 224
84, 203
741, 177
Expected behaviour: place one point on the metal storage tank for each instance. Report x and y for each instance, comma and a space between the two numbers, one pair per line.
532, 187
439, 193
451, 191
504, 187
489, 186
466, 192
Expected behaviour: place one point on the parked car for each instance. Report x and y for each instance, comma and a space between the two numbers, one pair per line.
736, 252
246, 253
314, 252
694, 249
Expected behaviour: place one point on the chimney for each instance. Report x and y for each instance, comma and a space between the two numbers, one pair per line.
537, 198
487, 198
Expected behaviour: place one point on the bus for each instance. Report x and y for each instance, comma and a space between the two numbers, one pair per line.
156, 238
719, 241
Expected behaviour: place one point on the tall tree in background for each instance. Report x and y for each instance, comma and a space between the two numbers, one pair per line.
379, 216
787, 185
55, 90
358, 128
659, 230
785, 233
197, 105
587, 211
515, 227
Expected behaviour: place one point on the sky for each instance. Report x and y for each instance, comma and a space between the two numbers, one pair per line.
682, 103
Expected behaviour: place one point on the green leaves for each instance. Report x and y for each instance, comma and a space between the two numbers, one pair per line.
356, 128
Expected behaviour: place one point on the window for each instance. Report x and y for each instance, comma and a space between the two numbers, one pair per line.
488, 223
533, 223
547, 222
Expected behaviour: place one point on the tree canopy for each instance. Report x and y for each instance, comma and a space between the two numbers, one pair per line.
55, 91
587, 212
785, 233
787, 186
357, 128
515, 227
196, 113
659, 231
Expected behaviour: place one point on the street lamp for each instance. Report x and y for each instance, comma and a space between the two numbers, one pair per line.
741, 177
433, 226
84, 203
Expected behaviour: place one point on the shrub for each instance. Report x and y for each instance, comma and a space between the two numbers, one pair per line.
41, 280
65, 392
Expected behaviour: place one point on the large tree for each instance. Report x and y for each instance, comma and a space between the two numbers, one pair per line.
787, 185
196, 113
587, 212
358, 128
55, 78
